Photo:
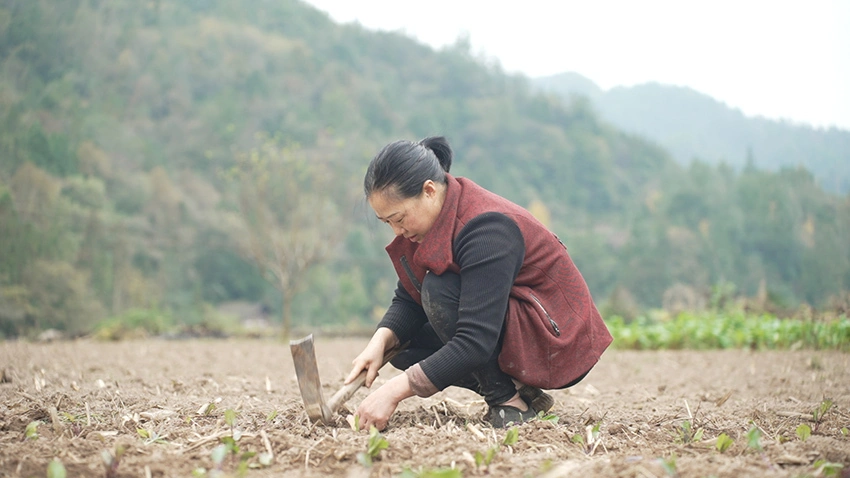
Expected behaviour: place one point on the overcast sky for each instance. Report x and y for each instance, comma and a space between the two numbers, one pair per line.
778, 59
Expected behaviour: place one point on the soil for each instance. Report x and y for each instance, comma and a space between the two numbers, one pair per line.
164, 403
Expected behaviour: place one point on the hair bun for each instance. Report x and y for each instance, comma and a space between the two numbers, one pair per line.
440, 146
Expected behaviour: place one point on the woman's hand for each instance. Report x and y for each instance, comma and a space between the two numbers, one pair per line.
377, 408
371, 358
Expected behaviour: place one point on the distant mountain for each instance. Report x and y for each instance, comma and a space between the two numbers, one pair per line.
692, 125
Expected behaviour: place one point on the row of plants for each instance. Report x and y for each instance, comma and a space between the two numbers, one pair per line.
730, 330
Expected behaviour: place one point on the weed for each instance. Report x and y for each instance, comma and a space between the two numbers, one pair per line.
271, 416
803, 432
376, 443
845, 431
723, 442
56, 469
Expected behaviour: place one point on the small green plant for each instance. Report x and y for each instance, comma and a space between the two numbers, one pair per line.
820, 412
803, 432
112, 460
754, 439
55, 469
825, 468
271, 416
723, 442
484, 459
550, 417
593, 440
217, 455
437, 473
151, 436
845, 431
686, 433
376, 443
31, 432
511, 437
669, 465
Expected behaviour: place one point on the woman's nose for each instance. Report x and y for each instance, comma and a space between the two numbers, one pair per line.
397, 230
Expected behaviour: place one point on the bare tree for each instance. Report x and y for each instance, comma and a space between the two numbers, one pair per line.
291, 222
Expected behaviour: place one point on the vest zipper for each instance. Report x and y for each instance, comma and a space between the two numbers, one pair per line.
410, 274
551, 322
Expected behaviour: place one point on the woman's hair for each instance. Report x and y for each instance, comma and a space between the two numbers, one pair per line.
402, 167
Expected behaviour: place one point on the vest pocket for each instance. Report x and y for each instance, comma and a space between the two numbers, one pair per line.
555, 329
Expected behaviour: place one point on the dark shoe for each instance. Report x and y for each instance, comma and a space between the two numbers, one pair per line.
503, 416
539, 400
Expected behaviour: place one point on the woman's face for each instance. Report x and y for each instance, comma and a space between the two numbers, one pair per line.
410, 217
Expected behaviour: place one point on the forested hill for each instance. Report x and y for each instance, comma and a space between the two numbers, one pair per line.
150, 151
692, 125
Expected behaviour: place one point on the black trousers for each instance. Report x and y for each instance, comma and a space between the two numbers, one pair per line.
441, 300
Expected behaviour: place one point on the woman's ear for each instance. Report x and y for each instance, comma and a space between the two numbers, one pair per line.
429, 188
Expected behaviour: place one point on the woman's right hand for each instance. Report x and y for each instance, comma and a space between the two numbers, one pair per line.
371, 358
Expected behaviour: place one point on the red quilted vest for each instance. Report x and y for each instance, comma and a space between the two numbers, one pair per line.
553, 332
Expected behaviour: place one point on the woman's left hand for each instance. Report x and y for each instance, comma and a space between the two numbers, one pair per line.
377, 408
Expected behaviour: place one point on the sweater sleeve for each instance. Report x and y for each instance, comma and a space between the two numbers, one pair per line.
404, 316
489, 250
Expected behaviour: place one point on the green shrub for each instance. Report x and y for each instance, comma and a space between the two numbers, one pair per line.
134, 323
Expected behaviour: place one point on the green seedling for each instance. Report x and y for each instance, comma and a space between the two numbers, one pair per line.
511, 437
548, 417
754, 439
31, 432
686, 433
438, 473
803, 432
669, 465
578, 440
376, 443
112, 460
56, 469
230, 417
271, 416
845, 431
218, 454
820, 412
484, 459
151, 436
825, 468
723, 442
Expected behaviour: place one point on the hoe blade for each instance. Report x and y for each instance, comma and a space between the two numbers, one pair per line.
307, 370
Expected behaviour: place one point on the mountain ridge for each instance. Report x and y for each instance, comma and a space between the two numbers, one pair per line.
695, 126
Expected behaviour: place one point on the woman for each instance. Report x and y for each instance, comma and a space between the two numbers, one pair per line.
487, 299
